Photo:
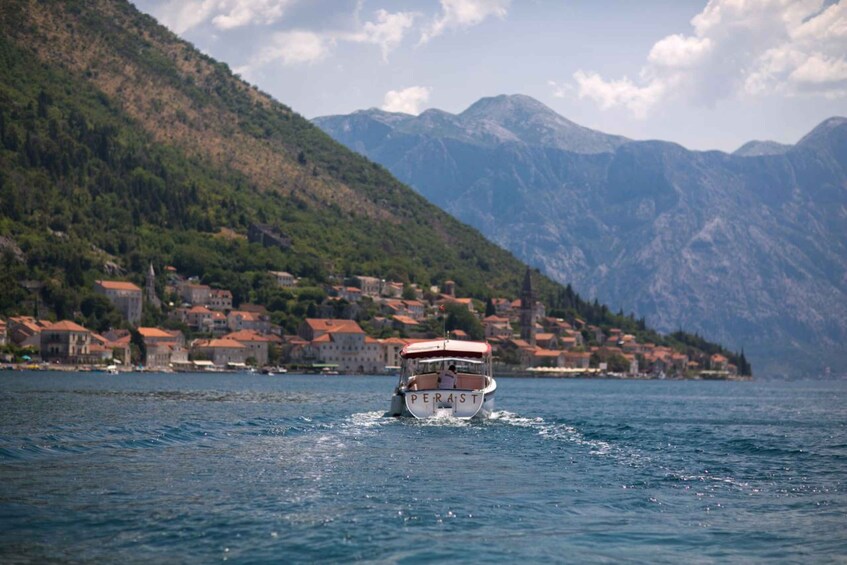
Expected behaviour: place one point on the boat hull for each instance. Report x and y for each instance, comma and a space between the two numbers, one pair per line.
456, 403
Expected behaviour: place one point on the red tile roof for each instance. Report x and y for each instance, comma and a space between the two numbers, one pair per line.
155, 332
224, 343
66, 326
493, 319
334, 325
395, 341
246, 316
405, 320
118, 285
250, 335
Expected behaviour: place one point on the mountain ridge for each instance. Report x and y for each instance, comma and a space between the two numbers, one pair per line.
515, 118
746, 249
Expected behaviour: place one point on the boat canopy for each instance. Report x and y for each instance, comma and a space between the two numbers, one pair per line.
441, 348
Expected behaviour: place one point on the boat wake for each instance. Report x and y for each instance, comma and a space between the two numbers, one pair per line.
561, 432
650, 463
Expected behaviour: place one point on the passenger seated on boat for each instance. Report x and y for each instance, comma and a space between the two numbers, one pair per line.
447, 379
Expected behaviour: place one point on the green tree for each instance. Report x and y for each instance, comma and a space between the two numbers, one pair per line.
460, 318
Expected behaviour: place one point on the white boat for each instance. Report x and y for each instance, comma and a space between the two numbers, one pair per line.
422, 391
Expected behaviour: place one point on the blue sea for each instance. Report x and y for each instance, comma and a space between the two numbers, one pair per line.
191, 468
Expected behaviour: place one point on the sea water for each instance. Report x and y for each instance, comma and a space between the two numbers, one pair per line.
285, 469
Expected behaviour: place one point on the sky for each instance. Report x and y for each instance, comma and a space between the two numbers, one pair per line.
707, 75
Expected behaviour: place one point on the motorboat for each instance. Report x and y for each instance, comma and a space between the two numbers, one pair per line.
444, 378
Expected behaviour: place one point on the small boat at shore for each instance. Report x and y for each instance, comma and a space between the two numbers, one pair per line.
445, 378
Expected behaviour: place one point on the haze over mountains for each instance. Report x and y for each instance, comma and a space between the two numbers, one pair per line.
748, 248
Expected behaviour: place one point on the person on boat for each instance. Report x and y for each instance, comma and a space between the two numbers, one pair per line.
447, 379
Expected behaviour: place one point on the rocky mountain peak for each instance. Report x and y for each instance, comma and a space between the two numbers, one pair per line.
508, 107
828, 131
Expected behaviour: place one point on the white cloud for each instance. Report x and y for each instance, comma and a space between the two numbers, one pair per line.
677, 51
608, 94
736, 48
456, 14
408, 101
182, 15
290, 48
300, 47
387, 31
820, 70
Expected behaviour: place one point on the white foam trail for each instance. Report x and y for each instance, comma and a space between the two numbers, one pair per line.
556, 432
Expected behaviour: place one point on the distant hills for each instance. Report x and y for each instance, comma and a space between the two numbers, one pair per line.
122, 145
748, 248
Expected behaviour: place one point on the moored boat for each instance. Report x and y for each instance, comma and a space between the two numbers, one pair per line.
445, 378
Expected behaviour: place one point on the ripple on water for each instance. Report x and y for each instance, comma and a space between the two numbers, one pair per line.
302, 470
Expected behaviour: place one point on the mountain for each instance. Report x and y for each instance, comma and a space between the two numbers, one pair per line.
749, 249
121, 145
758, 148
489, 122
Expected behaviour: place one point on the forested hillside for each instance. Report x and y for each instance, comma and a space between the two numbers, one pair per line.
121, 145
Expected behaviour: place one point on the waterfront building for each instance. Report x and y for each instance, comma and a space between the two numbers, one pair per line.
163, 347
25, 331
342, 343
221, 352
577, 359
390, 350
99, 349
125, 296
259, 344
718, 362
65, 342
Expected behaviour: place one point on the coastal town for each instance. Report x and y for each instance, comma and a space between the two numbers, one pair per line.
216, 335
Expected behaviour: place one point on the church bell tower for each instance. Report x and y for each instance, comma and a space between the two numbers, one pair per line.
528, 301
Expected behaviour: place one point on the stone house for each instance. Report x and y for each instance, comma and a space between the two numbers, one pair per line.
221, 352
66, 342
125, 296
258, 344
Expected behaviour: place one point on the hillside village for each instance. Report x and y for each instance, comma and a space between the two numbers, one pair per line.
360, 327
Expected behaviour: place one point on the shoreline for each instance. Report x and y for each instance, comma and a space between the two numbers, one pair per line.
508, 373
